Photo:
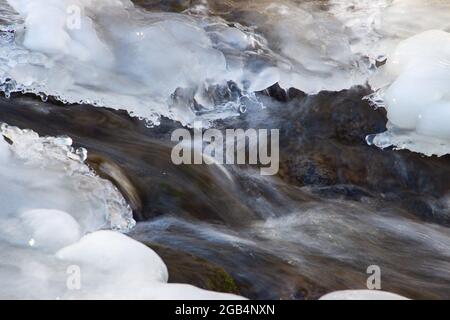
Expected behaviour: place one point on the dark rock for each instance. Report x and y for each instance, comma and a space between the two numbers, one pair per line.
322, 144
277, 93
164, 5
347, 192
186, 268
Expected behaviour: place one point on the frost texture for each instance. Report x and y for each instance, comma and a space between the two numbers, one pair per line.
46, 172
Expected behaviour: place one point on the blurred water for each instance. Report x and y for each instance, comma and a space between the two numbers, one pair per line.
278, 239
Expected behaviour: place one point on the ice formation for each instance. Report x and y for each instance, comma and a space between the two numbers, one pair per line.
110, 53
195, 65
183, 66
118, 267
53, 210
413, 37
338, 44
414, 90
362, 295
46, 172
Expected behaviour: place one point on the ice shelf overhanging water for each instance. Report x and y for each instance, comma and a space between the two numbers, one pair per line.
195, 65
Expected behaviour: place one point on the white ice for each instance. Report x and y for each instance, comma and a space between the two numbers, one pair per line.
414, 90
362, 295
179, 65
59, 221
47, 173
110, 53
117, 267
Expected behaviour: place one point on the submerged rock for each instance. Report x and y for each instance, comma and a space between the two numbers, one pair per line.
187, 268
195, 255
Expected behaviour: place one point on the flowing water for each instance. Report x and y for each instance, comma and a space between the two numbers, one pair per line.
107, 97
